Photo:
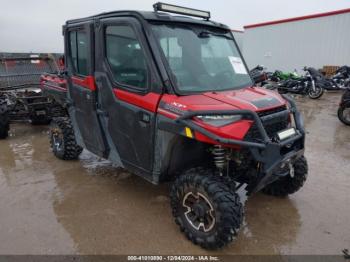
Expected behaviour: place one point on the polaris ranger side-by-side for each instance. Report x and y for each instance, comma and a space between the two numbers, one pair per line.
169, 98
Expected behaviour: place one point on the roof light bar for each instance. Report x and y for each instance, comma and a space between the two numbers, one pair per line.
181, 10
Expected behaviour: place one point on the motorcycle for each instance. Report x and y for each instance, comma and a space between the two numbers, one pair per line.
258, 74
310, 84
344, 108
273, 79
278, 76
341, 79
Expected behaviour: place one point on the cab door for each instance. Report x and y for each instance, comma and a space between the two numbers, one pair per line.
129, 91
82, 93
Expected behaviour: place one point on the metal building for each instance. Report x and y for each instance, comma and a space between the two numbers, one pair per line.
315, 40
238, 35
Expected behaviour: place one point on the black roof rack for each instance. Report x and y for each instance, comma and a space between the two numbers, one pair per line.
163, 15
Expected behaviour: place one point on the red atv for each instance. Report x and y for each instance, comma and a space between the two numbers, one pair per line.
169, 98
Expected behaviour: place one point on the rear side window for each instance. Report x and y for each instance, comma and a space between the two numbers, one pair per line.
79, 51
125, 56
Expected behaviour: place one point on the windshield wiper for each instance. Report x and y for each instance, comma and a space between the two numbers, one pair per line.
206, 34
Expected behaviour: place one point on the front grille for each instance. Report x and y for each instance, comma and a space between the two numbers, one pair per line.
272, 126
272, 111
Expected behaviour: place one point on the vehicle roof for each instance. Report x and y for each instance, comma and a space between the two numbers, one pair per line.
150, 16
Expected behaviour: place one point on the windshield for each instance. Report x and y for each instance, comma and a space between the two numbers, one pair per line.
202, 59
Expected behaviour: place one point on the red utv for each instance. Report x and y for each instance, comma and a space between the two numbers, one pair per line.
169, 98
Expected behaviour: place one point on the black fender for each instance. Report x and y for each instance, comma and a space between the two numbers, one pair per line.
174, 152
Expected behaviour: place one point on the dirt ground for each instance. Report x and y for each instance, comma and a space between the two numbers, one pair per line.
48, 206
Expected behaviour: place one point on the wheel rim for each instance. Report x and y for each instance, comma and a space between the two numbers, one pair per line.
346, 114
315, 93
199, 212
291, 170
57, 139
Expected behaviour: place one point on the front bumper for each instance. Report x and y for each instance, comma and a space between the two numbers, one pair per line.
271, 154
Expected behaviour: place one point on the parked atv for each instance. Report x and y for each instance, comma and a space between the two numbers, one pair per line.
310, 84
54, 87
169, 98
20, 96
344, 108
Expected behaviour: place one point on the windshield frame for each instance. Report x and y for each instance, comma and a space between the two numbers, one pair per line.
196, 27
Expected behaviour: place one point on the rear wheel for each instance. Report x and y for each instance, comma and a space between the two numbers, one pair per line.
317, 93
344, 114
206, 209
290, 183
62, 139
4, 119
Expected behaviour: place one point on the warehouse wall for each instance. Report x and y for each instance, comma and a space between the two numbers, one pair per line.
293, 45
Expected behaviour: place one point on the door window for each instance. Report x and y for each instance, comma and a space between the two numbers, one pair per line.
125, 56
79, 52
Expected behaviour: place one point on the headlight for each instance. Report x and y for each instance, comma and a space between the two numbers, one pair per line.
220, 120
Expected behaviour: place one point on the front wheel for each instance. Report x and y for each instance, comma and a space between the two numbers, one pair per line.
290, 183
344, 114
317, 93
206, 209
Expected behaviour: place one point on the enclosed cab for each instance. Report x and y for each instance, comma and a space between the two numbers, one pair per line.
169, 98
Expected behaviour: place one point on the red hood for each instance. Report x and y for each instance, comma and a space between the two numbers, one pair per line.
255, 99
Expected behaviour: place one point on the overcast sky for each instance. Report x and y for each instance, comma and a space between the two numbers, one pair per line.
35, 25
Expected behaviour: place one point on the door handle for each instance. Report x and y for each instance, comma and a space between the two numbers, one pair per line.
145, 117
